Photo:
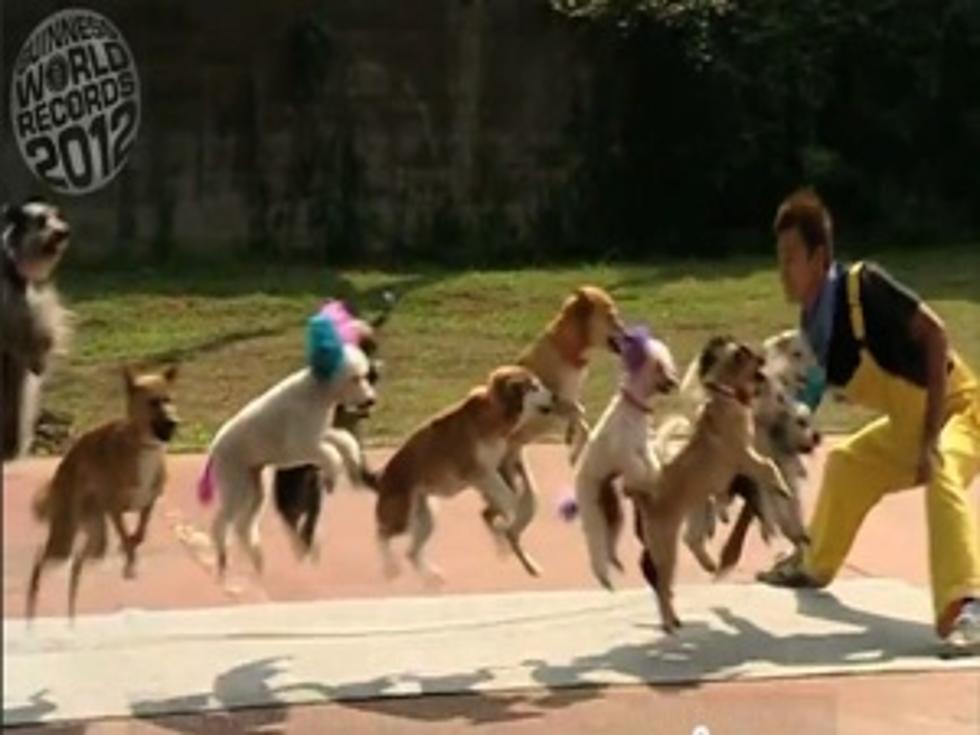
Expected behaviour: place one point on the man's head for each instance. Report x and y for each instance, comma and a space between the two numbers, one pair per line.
804, 243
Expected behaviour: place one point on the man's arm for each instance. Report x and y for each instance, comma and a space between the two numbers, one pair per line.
928, 330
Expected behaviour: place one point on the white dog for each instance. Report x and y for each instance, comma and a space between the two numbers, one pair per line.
621, 444
288, 425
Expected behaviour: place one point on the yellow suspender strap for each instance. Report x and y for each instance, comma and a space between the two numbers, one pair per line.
854, 300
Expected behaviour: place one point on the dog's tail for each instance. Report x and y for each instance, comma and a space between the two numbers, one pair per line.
352, 458
568, 506
205, 485
389, 300
61, 520
691, 391
41, 505
667, 432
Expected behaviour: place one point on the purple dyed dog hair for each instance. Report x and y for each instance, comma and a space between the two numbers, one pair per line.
634, 347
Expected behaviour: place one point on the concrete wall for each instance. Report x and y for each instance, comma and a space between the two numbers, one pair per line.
347, 128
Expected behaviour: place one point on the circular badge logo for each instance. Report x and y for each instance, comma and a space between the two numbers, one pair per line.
75, 101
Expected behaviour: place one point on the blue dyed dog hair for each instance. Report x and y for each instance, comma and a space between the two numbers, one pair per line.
816, 384
324, 347
633, 347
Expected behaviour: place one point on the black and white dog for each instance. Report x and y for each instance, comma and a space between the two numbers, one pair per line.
298, 490
34, 326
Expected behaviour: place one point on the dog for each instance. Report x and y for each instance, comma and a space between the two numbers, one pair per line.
34, 326
460, 447
720, 447
789, 360
783, 430
298, 491
288, 425
791, 435
559, 357
116, 468
621, 444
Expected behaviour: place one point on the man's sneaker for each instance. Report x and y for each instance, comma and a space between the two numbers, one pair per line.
788, 572
964, 638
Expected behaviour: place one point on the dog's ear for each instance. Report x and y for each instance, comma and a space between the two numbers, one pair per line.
578, 309
582, 302
510, 390
711, 354
13, 214
578, 305
389, 298
170, 373
129, 378
366, 339
779, 433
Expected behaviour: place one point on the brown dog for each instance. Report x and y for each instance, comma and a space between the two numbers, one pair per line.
114, 468
559, 357
721, 447
460, 447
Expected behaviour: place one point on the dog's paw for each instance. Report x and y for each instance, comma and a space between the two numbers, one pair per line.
391, 569
530, 565
299, 547
704, 561
722, 572
728, 562
258, 561
766, 531
431, 575
233, 589
671, 624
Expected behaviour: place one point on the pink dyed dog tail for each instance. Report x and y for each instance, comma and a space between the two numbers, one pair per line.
568, 508
205, 486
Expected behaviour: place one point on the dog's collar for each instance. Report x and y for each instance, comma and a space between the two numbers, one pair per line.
11, 272
634, 401
725, 390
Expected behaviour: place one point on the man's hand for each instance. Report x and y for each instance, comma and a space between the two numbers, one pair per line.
929, 458
927, 329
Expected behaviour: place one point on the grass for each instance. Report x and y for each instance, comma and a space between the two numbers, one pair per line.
237, 329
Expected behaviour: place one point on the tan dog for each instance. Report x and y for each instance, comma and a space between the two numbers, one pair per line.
115, 468
783, 431
559, 357
721, 447
460, 447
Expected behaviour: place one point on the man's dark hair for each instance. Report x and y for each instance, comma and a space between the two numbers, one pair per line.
804, 210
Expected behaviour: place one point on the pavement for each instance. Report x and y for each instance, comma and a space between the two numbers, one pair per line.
176, 573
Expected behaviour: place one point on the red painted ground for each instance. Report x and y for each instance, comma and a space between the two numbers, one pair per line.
174, 573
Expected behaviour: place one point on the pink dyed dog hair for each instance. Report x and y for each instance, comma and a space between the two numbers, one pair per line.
343, 321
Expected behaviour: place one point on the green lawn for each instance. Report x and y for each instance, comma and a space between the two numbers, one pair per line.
238, 328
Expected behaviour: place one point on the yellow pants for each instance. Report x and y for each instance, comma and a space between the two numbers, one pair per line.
881, 458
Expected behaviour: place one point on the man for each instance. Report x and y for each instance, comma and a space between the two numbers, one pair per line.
888, 351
